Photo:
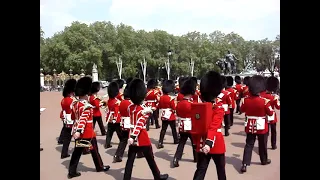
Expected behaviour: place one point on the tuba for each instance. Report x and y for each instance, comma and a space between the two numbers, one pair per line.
83, 143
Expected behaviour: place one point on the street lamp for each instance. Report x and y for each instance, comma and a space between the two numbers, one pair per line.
167, 64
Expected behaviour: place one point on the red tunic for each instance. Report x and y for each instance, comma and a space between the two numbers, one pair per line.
225, 97
95, 102
124, 111
275, 104
239, 88
233, 95
113, 111
119, 96
214, 138
138, 120
245, 91
152, 98
256, 108
166, 102
66, 111
196, 97
83, 112
183, 111
179, 97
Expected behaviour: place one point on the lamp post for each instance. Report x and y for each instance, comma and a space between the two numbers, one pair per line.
167, 64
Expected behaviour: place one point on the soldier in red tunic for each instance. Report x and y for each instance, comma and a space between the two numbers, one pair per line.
82, 131
183, 115
181, 81
245, 91
272, 87
139, 140
211, 146
120, 83
96, 103
166, 108
67, 116
239, 88
113, 117
233, 95
152, 100
225, 97
196, 95
256, 109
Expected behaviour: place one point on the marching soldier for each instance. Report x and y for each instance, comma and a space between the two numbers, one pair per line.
239, 88
96, 103
196, 95
272, 87
113, 117
120, 83
256, 109
68, 117
245, 91
233, 95
82, 130
213, 146
166, 108
180, 81
139, 140
225, 97
151, 100
184, 117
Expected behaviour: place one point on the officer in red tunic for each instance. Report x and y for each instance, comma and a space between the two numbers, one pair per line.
181, 81
256, 109
225, 97
272, 87
120, 83
82, 131
67, 116
166, 108
212, 145
113, 117
233, 95
183, 115
97, 103
239, 88
151, 100
139, 140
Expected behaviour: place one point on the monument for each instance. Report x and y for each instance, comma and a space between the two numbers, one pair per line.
41, 78
95, 76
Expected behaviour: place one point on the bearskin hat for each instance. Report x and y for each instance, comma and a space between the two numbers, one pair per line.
256, 85
246, 80
181, 80
137, 91
272, 84
129, 80
168, 86
95, 87
126, 92
223, 81
229, 81
237, 79
188, 87
120, 83
83, 86
210, 86
113, 89
152, 84
69, 87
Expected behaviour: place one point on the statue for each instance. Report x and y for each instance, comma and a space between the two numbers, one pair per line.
224, 66
231, 59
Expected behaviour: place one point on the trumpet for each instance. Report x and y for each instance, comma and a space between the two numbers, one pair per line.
83, 143
102, 102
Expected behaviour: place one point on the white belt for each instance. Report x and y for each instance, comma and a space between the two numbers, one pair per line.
90, 121
219, 130
150, 101
166, 109
132, 127
255, 117
184, 119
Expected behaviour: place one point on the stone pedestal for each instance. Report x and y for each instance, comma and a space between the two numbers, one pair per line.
95, 75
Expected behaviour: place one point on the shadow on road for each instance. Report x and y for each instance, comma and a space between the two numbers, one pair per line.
81, 167
240, 133
241, 145
164, 154
239, 123
235, 161
103, 141
111, 152
118, 174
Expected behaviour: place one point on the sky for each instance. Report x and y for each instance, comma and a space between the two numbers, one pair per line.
252, 19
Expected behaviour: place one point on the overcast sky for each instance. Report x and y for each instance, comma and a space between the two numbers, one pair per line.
252, 19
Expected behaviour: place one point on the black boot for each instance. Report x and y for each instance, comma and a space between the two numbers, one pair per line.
243, 168
74, 175
160, 145
274, 147
164, 176
175, 162
41, 149
65, 156
107, 146
226, 131
117, 159
267, 162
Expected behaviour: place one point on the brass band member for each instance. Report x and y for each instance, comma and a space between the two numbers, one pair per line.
139, 140
83, 132
152, 100
233, 95
225, 97
120, 83
68, 116
256, 109
239, 88
96, 103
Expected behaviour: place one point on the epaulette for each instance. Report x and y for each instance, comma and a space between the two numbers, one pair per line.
118, 101
265, 100
87, 105
172, 97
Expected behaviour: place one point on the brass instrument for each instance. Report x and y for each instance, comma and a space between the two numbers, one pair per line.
102, 102
83, 143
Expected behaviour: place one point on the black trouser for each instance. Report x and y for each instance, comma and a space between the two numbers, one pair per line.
231, 116
203, 162
123, 143
100, 123
66, 139
250, 140
238, 106
113, 127
153, 119
273, 131
148, 154
75, 158
61, 133
182, 142
165, 125
226, 121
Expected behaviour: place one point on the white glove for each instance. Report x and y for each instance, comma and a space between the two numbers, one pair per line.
147, 110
